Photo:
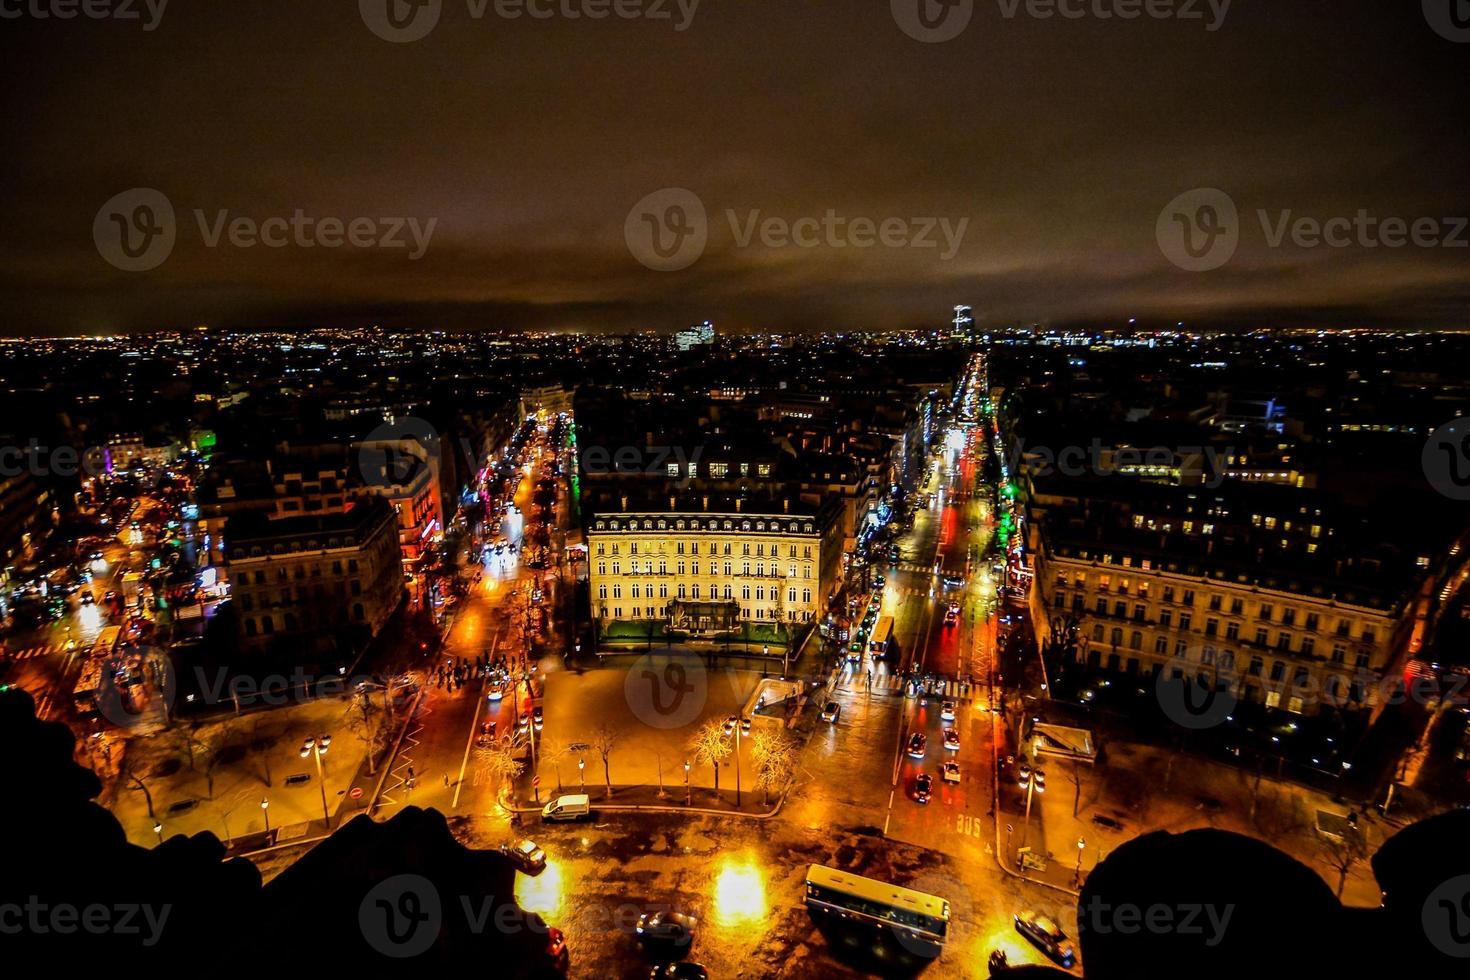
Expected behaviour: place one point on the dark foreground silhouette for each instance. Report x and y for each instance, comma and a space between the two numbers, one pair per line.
1203, 904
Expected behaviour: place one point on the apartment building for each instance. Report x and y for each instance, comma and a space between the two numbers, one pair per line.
705, 563
1267, 592
299, 576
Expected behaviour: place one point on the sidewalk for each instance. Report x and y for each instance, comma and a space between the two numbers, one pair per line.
645, 798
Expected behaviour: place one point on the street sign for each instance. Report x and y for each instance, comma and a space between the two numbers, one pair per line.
356, 793
535, 780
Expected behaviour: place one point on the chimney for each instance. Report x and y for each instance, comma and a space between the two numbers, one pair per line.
786, 505
624, 500
706, 502
673, 504
739, 502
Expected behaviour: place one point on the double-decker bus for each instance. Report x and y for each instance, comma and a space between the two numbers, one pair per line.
918, 921
882, 637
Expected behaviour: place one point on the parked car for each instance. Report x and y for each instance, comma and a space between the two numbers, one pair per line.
923, 787
674, 928
683, 970
536, 717
745, 725
917, 744
950, 772
526, 855
831, 710
576, 806
556, 949
1046, 936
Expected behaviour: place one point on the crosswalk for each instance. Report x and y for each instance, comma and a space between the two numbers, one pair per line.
32, 653
893, 684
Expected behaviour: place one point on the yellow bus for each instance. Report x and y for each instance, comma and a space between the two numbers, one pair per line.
106, 642
882, 636
919, 921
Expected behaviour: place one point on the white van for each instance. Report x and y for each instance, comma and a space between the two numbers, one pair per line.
573, 807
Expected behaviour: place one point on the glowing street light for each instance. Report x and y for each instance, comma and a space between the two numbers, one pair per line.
317, 747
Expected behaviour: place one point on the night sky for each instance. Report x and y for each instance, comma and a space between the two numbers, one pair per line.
1058, 142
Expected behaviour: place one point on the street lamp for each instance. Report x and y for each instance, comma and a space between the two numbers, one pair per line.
582, 773
158, 829
317, 747
1077, 876
688, 792
265, 811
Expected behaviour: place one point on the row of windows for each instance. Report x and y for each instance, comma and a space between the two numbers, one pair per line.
266, 625
705, 524
693, 592
1135, 640
713, 549
283, 572
714, 568
249, 599
1265, 611
660, 612
1338, 689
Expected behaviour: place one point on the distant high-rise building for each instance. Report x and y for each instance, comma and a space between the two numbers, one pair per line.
964, 322
700, 333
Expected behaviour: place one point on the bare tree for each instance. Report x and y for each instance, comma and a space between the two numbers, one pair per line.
774, 755
604, 740
209, 748
260, 742
365, 719
498, 761
132, 776
711, 746
1076, 789
1343, 853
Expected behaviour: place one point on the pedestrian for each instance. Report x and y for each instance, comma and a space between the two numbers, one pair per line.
446, 780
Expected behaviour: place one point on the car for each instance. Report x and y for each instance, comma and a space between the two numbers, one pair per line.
730, 724
947, 710
953, 581
524, 722
674, 928
950, 619
487, 733
879, 581
495, 692
745, 725
88, 598
923, 787
536, 717
1106, 822
831, 710
682, 970
917, 743
1023, 774
950, 772
526, 855
951, 739
1046, 936
556, 950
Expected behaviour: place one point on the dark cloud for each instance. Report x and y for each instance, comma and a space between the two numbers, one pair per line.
528, 141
